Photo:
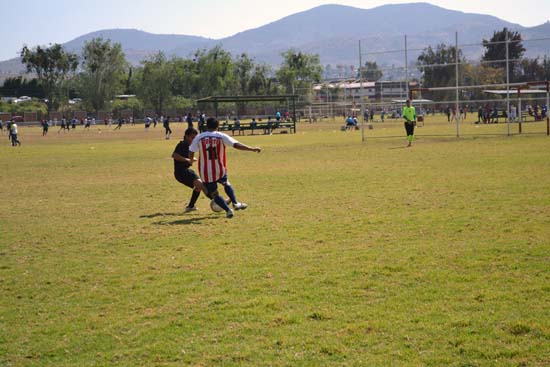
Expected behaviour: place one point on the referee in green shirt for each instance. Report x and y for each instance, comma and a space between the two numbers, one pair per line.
409, 114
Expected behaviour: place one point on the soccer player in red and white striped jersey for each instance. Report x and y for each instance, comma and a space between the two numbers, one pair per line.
211, 146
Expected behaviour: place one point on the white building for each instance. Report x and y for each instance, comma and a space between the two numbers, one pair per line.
353, 90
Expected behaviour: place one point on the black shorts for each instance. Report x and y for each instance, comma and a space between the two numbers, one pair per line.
186, 177
409, 128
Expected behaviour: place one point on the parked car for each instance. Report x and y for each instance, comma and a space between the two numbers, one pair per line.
23, 99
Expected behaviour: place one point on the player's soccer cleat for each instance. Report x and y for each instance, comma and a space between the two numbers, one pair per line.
229, 214
240, 206
189, 209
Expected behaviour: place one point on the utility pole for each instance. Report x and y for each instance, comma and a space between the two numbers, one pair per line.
456, 85
361, 94
508, 82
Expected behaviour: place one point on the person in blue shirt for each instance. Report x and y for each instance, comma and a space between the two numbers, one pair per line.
350, 123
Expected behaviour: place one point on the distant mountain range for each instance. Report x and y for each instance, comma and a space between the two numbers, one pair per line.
333, 32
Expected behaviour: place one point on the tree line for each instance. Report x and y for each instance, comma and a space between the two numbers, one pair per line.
102, 72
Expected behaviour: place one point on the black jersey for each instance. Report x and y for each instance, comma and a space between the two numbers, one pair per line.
182, 149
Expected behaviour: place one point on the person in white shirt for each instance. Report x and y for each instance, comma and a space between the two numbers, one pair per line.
13, 132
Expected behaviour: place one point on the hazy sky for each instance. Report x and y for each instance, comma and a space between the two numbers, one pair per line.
34, 22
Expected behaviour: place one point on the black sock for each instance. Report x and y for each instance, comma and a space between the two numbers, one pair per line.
194, 198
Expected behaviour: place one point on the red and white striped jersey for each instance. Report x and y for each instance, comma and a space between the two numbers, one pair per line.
211, 148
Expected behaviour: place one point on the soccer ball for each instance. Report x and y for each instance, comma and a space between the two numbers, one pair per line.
215, 207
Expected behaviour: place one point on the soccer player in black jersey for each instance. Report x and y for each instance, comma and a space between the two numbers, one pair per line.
183, 171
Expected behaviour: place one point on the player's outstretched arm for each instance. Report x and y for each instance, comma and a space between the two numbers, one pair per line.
241, 146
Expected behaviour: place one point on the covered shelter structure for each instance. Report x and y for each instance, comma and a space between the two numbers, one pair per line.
289, 99
525, 89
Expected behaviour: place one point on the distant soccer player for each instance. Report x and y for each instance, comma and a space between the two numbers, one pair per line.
120, 122
45, 127
409, 114
182, 168
62, 126
212, 163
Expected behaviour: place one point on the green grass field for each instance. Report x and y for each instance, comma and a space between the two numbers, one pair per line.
350, 253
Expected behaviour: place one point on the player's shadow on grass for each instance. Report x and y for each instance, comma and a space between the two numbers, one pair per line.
190, 220
403, 147
159, 215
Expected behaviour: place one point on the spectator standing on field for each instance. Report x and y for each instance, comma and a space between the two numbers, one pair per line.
13, 133
202, 122
350, 124
513, 113
189, 120
8, 128
45, 127
62, 126
212, 167
409, 114
479, 115
166, 125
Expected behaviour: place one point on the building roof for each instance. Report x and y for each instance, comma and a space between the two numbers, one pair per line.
278, 97
514, 91
413, 101
356, 84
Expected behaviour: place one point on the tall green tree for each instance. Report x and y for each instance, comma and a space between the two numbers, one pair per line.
530, 70
546, 68
298, 71
129, 89
495, 51
243, 70
155, 80
186, 80
216, 71
438, 69
472, 74
53, 67
104, 72
260, 81
371, 71
434, 65
495, 47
